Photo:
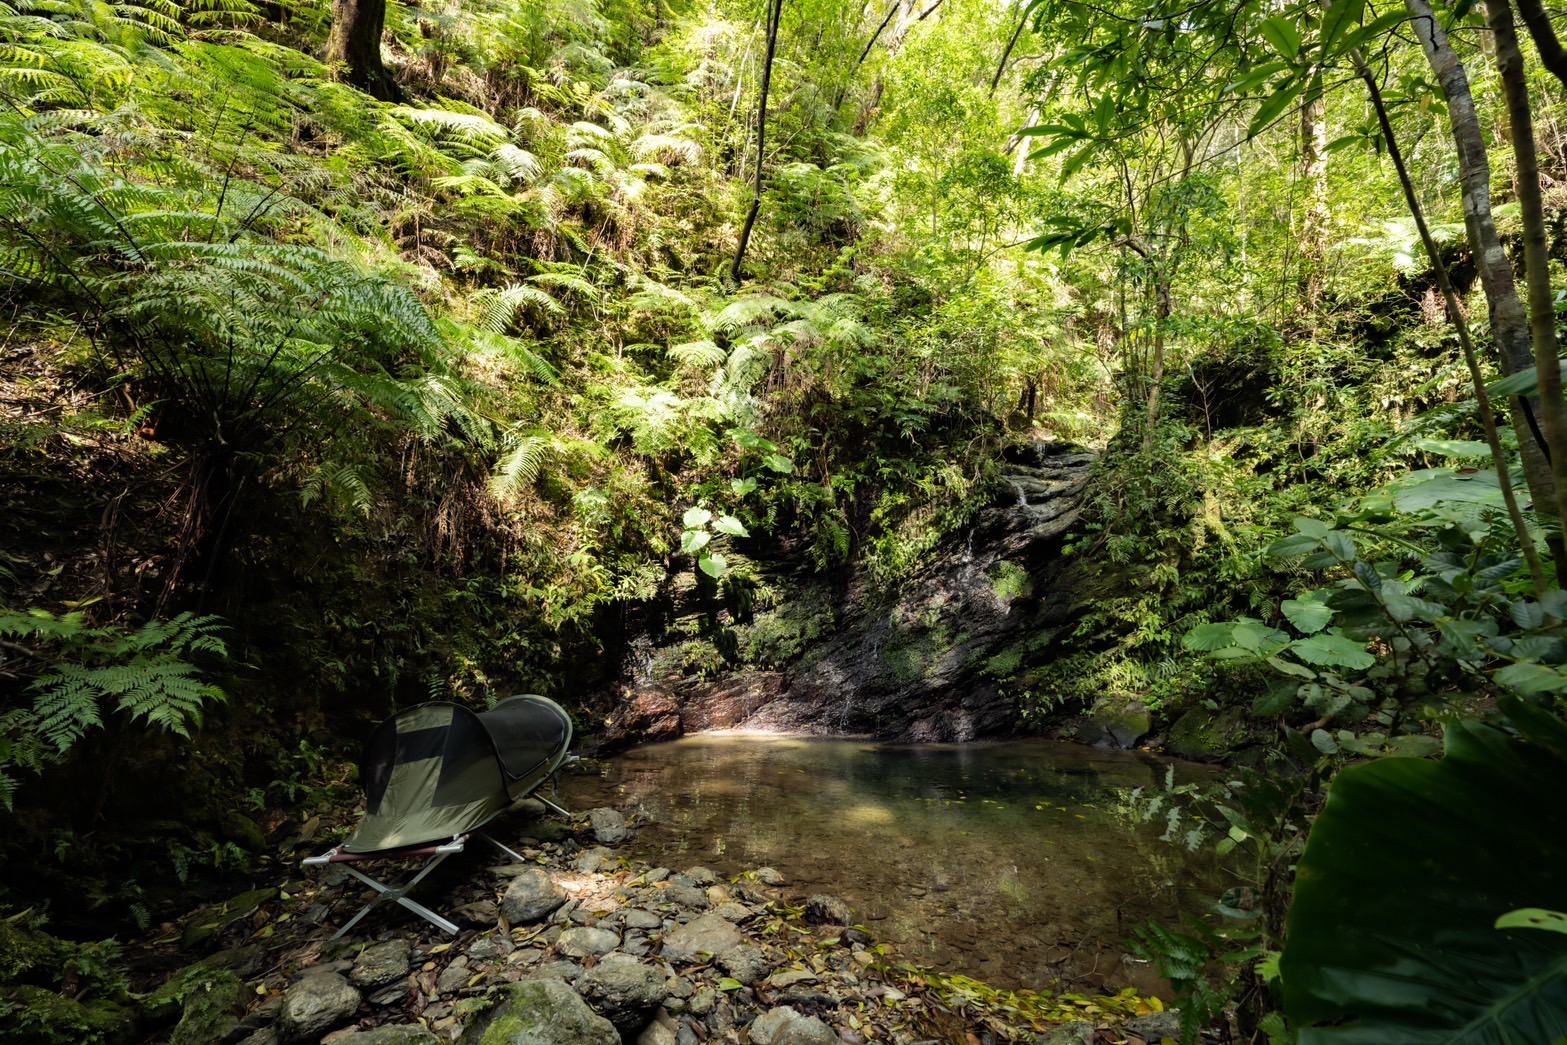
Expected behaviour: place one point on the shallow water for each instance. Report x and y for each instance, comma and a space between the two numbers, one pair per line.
1010, 862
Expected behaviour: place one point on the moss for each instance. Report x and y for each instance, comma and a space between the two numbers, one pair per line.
34, 1016
212, 919
212, 1010
25, 949
1204, 734
164, 1004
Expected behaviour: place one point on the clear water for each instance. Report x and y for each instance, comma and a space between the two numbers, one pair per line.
1011, 862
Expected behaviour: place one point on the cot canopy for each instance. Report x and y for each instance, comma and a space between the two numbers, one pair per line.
438, 770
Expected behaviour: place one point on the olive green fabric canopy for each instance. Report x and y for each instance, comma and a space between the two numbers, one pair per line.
439, 770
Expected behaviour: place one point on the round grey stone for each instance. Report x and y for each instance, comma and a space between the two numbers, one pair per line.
821, 909
701, 876
746, 963
770, 876
583, 942
609, 826
709, 934
785, 1026
315, 1005
531, 897
380, 964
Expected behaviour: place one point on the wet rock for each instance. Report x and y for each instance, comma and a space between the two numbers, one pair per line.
315, 1005
392, 1034
540, 1012
746, 963
1204, 734
1156, 1026
821, 909
380, 964
212, 1010
532, 896
647, 714
609, 826
770, 876
709, 934
582, 942
1116, 721
785, 1026
624, 990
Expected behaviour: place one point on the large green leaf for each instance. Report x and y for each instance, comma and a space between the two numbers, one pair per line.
1392, 936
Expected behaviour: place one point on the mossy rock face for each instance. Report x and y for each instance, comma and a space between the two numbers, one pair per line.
34, 1016
1208, 735
1116, 722
211, 1011
24, 950
209, 921
540, 1012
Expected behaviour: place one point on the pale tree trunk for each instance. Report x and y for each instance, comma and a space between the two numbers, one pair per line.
355, 47
1509, 318
1537, 261
1315, 226
774, 15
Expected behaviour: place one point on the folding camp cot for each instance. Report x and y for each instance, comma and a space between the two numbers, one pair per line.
435, 774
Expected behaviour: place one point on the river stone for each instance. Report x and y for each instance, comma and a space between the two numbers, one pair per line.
624, 990
314, 1005
392, 1034
639, 919
1156, 1026
595, 859
380, 964
821, 909
1204, 734
540, 1012
583, 942
662, 1031
454, 976
769, 876
785, 1026
709, 934
746, 963
687, 896
701, 876
1077, 1033
210, 1010
1116, 721
531, 897
734, 912
609, 827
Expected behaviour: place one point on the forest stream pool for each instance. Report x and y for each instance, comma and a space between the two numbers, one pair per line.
1014, 862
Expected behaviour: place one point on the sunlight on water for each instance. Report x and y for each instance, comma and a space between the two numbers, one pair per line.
1015, 862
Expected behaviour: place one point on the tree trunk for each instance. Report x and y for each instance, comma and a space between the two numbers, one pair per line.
774, 14
908, 14
1318, 218
1509, 318
1536, 253
355, 47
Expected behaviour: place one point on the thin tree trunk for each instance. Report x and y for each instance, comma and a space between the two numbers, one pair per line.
355, 47
1536, 254
1509, 318
1551, 54
774, 15
1460, 324
1318, 217
900, 31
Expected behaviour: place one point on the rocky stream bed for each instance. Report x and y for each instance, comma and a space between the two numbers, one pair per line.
575, 946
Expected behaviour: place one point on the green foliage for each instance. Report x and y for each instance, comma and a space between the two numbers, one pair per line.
1469, 839
82, 674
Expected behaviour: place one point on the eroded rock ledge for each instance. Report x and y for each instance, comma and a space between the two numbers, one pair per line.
930, 665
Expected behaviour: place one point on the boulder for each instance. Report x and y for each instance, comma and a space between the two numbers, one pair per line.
314, 1006
540, 1012
1116, 722
785, 1026
1206, 735
1156, 1026
532, 896
821, 909
709, 934
583, 942
624, 990
380, 964
212, 1010
609, 826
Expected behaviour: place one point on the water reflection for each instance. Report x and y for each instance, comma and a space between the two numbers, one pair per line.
1004, 861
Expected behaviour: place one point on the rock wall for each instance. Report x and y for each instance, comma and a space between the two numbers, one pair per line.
934, 664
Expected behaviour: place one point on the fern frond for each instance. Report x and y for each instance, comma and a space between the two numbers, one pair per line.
520, 465
498, 309
698, 354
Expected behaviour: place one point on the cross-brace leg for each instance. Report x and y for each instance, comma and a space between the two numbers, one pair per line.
399, 893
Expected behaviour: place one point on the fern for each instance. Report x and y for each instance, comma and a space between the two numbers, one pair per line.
521, 463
